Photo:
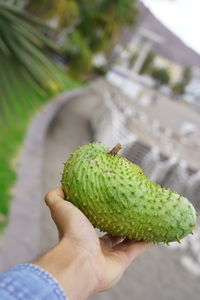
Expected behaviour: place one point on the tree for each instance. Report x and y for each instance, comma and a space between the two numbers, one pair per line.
161, 76
95, 23
106, 18
147, 65
79, 55
180, 86
186, 75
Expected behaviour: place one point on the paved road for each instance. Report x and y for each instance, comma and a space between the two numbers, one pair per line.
157, 275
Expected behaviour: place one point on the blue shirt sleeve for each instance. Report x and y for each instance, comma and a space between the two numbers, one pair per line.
29, 282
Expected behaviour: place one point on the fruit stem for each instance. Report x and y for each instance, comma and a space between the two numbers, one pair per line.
116, 149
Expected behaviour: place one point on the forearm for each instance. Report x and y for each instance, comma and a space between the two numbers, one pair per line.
72, 270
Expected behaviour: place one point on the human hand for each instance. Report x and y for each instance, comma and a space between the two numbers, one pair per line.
83, 263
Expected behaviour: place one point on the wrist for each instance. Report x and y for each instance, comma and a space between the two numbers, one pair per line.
72, 270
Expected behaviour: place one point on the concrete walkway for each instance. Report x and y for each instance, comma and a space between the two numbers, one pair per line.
69, 130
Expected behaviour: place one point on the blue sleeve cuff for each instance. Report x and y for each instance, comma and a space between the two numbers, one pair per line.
29, 282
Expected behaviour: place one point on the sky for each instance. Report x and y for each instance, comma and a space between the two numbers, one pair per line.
181, 16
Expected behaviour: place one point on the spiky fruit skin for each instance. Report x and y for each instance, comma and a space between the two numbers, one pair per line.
118, 198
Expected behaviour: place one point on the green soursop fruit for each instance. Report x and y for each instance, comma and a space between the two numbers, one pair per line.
117, 197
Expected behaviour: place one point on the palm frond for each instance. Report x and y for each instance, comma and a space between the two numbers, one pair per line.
24, 61
19, 12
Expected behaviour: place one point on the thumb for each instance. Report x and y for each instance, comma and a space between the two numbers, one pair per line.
54, 195
68, 218
62, 211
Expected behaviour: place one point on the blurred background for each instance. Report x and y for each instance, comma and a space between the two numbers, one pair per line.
74, 71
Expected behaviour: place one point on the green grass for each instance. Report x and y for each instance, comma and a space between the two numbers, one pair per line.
22, 102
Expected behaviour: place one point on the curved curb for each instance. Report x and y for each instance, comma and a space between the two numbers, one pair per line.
28, 190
